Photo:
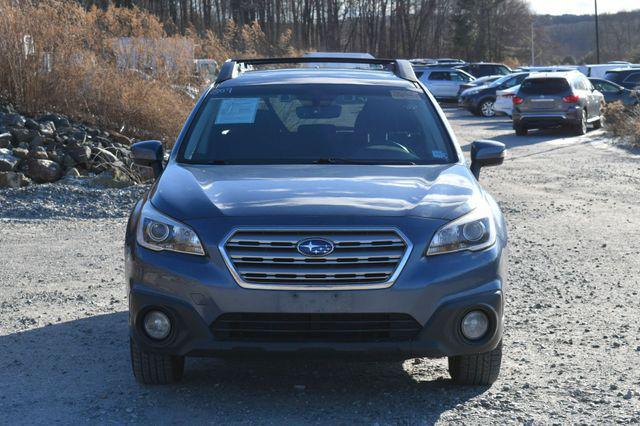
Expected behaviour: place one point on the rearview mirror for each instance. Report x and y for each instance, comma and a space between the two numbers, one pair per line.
485, 154
318, 112
148, 154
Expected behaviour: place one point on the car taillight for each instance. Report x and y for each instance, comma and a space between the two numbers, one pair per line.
517, 100
571, 99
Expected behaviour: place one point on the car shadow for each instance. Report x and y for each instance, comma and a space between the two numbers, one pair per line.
511, 140
80, 369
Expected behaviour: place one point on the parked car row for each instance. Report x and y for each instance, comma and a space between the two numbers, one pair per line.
535, 97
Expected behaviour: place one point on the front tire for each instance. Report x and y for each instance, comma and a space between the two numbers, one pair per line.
486, 108
152, 368
476, 369
521, 131
597, 124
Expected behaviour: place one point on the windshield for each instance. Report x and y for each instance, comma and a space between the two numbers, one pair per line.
501, 80
509, 80
317, 123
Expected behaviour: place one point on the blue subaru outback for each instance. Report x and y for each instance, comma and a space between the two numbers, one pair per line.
316, 212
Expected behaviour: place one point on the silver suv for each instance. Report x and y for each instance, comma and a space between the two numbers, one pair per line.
316, 212
557, 99
443, 83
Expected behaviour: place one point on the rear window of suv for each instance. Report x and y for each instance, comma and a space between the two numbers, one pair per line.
317, 123
544, 86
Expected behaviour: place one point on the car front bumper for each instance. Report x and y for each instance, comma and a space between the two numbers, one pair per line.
436, 291
467, 103
193, 336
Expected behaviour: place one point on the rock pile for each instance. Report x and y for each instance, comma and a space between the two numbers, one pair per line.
49, 147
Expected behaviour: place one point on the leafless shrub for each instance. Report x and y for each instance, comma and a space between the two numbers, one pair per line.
59, 57
623, 122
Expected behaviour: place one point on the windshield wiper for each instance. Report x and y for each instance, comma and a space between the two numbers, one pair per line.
213, 162
333, 160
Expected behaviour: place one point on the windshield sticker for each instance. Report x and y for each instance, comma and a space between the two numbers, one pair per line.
439, 154
404, 94
222, 91
237, 111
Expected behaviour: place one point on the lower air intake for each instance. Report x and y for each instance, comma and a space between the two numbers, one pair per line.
261, 327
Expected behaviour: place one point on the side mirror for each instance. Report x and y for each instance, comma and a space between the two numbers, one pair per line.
148, 154
485, 154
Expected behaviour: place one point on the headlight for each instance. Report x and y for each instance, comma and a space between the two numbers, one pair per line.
159, 232
473, 231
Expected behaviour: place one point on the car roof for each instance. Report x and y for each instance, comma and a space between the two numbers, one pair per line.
628, 69
316, 76
555, 74
436, 68
553, 68
488, 77
484, 63
338, 55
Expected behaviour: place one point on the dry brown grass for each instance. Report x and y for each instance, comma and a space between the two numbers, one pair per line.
84, 80
623, 122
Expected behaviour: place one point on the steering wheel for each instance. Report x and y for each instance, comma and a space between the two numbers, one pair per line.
392, 150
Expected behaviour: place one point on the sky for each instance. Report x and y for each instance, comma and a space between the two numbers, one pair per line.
581, 7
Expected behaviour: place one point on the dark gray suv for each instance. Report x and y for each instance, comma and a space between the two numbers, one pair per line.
565, 99
316, 212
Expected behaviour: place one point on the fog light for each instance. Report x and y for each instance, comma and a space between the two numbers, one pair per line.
475, 325
157, 325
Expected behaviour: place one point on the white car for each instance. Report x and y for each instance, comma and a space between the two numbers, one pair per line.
599, 70
504, 100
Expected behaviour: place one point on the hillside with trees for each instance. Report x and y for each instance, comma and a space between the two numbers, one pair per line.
473, 29
572, 38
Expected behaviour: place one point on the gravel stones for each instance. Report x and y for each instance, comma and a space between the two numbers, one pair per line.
13, 180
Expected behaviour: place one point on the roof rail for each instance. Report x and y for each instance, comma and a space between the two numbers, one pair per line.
232, 68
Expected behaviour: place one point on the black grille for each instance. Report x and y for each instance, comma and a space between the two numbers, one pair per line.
265, 327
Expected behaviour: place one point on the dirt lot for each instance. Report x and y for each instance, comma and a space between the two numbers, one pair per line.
572, 343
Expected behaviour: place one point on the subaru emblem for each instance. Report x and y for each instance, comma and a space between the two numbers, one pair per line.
315, 247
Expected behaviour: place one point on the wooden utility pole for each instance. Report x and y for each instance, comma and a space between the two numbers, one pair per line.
597, 34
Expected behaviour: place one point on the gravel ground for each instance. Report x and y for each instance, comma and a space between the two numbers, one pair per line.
572, 342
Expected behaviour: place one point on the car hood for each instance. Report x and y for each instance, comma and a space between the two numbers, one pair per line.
197, 191
475, 89
513, 89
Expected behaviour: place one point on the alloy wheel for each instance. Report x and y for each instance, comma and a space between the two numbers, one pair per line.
487, 109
